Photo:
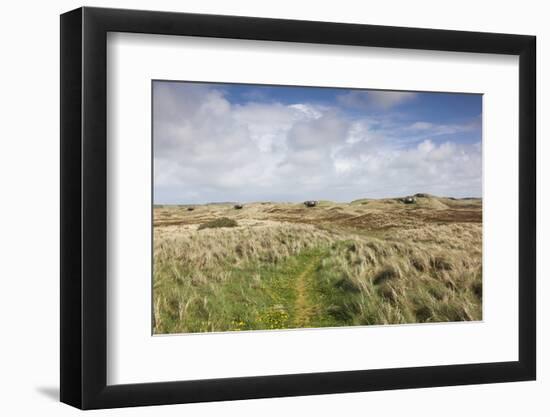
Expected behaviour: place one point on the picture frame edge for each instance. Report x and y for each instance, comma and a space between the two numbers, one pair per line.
83, 233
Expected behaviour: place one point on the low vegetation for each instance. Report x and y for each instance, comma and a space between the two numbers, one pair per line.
277, 266
217, 223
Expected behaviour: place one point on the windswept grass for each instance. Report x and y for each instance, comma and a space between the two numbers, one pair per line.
284, 266
371, 281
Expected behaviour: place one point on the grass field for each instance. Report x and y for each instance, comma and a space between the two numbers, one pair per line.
284, 265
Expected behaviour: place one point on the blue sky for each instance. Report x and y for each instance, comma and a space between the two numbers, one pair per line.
236, 142
429, 106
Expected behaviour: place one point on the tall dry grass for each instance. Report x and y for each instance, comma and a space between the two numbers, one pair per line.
245, 277
431, 274
211, 279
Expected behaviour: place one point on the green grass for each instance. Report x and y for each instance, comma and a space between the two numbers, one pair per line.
263, 273
348, 282
216, 223
254, 296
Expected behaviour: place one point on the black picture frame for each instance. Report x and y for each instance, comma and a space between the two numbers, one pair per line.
84, 207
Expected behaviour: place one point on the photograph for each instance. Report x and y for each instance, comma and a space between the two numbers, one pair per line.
292, 207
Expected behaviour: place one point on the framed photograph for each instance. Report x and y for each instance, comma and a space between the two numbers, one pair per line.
257, 208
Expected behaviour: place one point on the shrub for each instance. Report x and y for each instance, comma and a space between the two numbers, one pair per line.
347, 284
387, 273
441, 264
338, 312
221, 222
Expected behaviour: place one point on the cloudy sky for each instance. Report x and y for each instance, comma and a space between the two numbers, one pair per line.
235, 142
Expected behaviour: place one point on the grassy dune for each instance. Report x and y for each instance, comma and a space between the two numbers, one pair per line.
277, 265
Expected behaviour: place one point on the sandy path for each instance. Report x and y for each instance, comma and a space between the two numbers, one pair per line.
304, 309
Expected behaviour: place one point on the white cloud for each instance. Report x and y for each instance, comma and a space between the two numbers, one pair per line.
444, 129
208, 149
421, 126
426, 146
375, 100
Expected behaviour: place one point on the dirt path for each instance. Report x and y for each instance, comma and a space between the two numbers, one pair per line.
304, 309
